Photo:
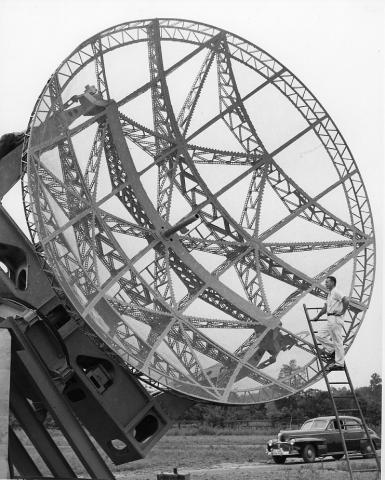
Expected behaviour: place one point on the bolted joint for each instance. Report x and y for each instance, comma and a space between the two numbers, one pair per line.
180, 226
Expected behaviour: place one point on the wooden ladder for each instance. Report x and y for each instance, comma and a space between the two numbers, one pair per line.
327, 366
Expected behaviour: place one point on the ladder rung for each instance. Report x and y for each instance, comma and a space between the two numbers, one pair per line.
339, 383
342, 396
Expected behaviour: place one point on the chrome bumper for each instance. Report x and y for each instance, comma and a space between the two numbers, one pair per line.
283, 449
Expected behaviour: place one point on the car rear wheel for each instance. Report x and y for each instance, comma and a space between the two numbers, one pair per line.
367, 451
279, 459
308, 453
338, 457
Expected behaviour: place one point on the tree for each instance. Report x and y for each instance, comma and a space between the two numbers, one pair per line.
288, 369
292, 372
375, 384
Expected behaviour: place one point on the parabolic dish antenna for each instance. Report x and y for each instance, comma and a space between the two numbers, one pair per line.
189, 193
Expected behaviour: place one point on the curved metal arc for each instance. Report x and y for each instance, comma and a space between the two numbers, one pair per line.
152, 361
366, 221
281, 264
202, 322
85, 212
245, 52
243, 130
123, 226
205, 245
255, 295
313, 106
70, 256
293, 247
212, 197
144, 88
220, 157
94, 256
73, 176
100, 70
220, 270
140, 134
164, 124
128, 266
231, 356
313, 109
227, 110
240, 125
307, 201
167, 330
294, 214
60, 191
167, 335
164, 91
241, 364
310, 202
281, 310
308, 280
208, 278
91, 174
192, 352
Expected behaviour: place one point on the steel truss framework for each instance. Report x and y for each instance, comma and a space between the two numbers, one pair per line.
131, 301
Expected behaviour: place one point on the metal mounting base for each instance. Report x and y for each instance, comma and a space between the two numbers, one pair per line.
57, 368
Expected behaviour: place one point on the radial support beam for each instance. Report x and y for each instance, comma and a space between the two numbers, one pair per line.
187, 110
134, 306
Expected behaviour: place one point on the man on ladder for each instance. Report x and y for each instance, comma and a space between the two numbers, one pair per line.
331, 338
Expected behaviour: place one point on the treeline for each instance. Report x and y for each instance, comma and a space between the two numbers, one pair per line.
294, 409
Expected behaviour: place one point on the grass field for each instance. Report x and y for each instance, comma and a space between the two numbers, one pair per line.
219, 457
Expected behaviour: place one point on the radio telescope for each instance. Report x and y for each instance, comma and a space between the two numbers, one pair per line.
188, 193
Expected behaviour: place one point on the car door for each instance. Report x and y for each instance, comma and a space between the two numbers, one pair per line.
353, 433
334, 441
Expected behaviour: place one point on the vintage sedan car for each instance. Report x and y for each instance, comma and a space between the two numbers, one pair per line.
320, 437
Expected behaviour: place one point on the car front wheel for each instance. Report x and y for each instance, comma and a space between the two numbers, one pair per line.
279, 459
308, 453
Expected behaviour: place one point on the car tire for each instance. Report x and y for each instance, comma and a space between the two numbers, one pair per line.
308, 453
367, 451
279, 459
338, 457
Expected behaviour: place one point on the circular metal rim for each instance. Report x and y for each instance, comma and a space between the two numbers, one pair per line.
356, 183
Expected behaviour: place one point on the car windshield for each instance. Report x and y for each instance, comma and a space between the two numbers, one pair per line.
307, 425
314, 425
319, 425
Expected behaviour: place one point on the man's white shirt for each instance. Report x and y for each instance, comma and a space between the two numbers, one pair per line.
334, 301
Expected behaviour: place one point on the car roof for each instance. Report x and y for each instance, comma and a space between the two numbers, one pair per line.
332, 417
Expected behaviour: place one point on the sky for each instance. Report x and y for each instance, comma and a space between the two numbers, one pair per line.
335, 47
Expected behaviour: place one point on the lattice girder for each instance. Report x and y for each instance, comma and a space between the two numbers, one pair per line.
168, 342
